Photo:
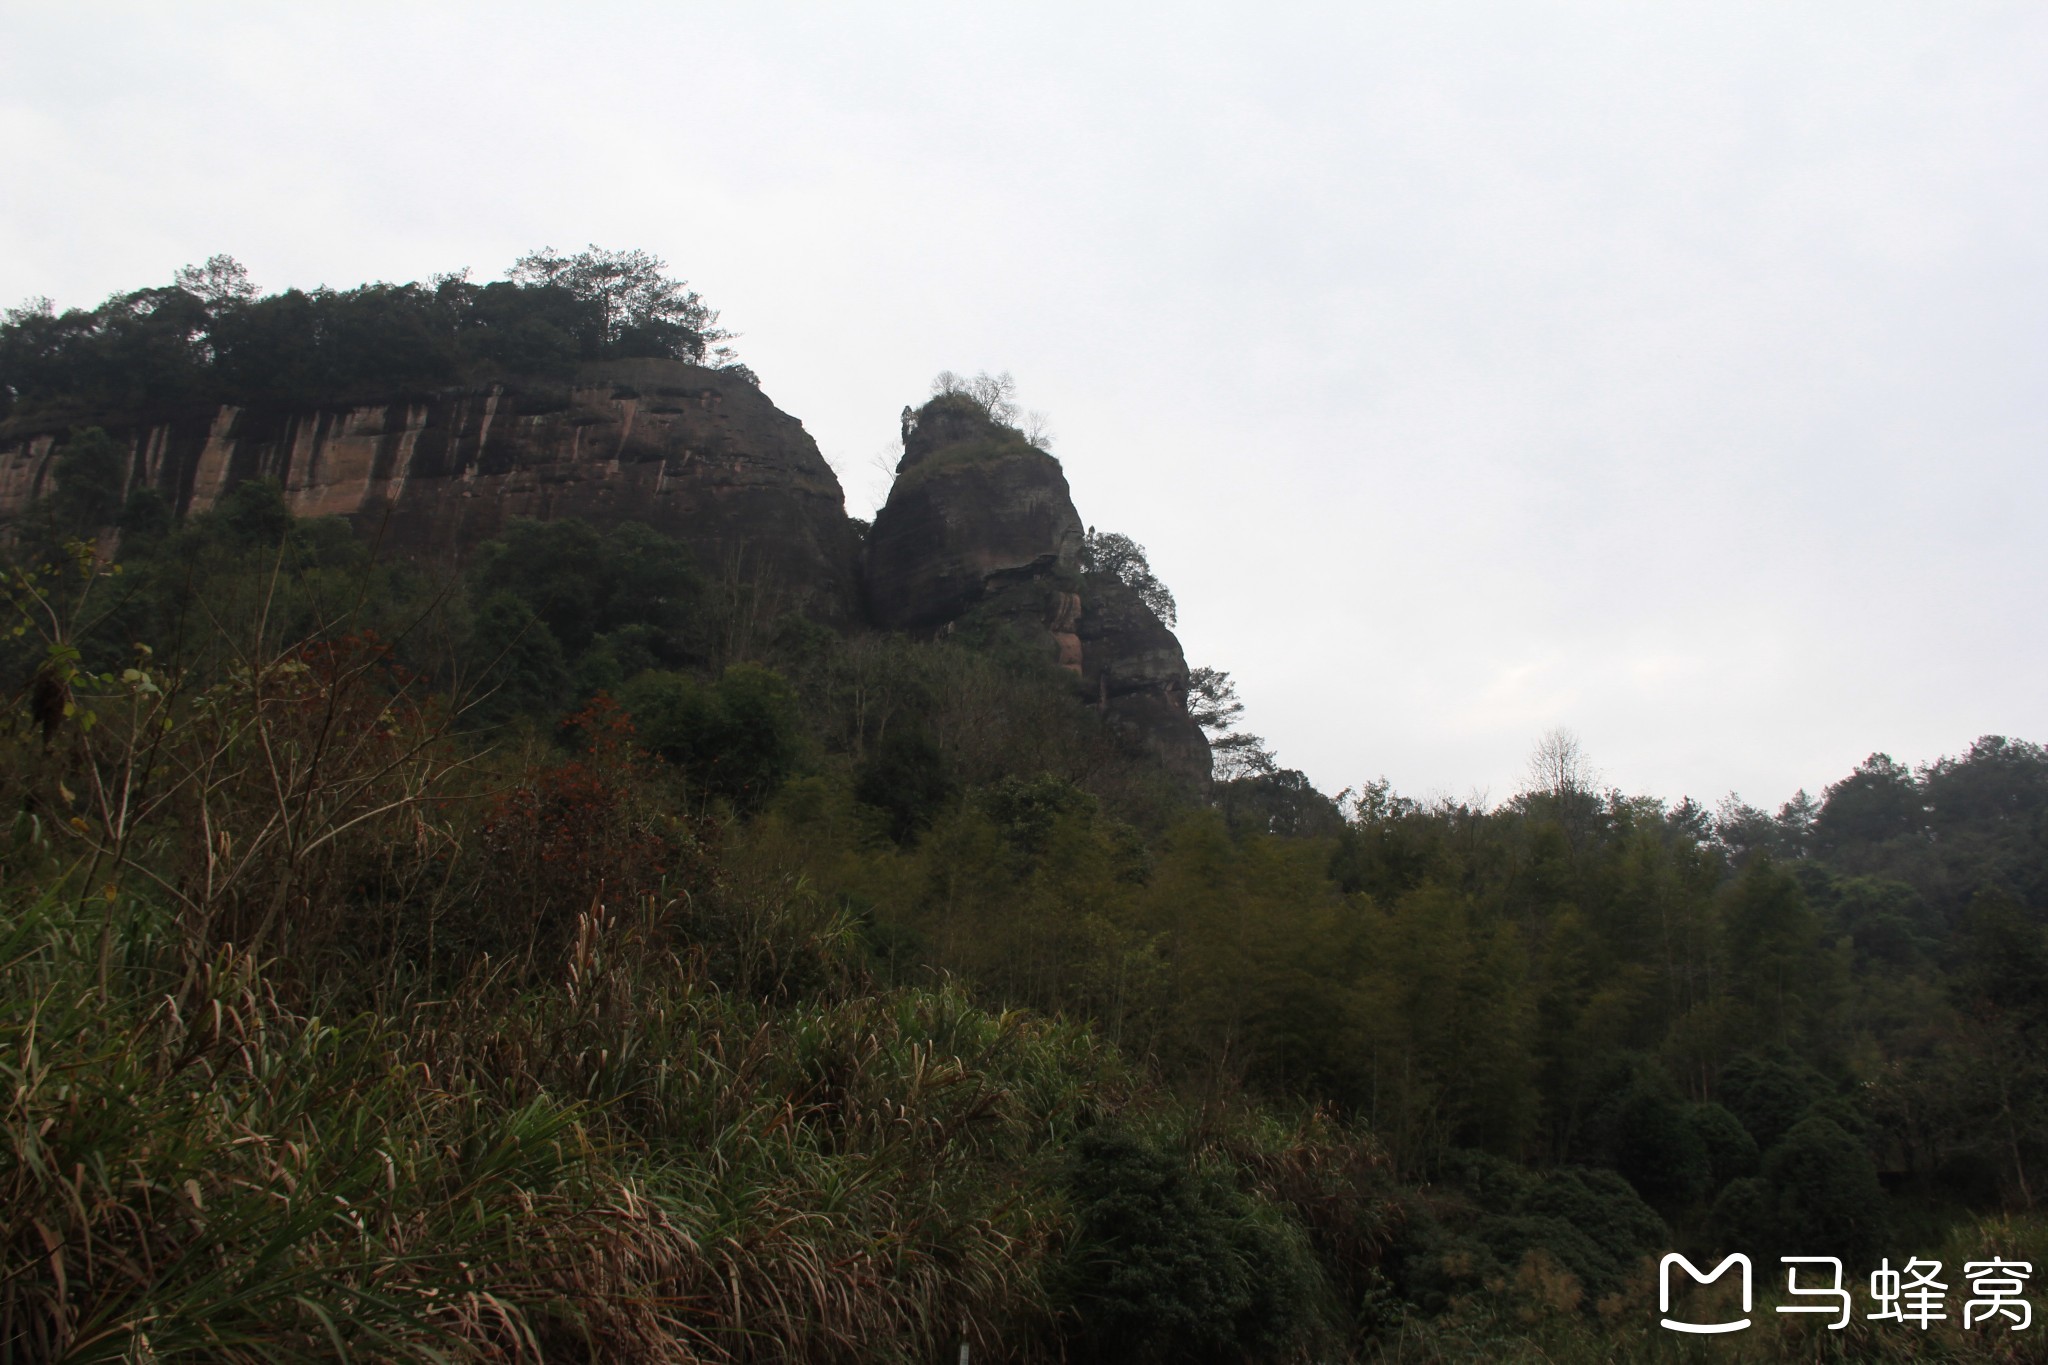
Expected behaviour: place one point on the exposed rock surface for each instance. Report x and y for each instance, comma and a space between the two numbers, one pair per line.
980, 522
1138, 675
694, 452
964, 517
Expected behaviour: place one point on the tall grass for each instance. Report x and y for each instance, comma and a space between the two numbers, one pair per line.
627, 1163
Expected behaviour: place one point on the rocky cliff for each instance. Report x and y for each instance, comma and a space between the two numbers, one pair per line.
980, 524
697, 453
974, 508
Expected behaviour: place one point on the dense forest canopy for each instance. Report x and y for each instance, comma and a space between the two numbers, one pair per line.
211, 336
705, 976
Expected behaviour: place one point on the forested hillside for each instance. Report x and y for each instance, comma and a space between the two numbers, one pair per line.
575, 956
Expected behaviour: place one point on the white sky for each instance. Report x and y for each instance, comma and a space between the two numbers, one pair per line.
1672, 372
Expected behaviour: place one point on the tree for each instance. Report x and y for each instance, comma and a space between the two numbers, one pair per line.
1880, 801
645, 312
223, 282
1213, 705
1212, 701
737, 738
1769, 1092
587, 584
91, 477
1795, 823
1731, 1151
1166, 1264
1242, 755
905, 778
994, 394
1558, 766
1111, 553
1826, 1192
1282, 801
524, 672
1660, 1152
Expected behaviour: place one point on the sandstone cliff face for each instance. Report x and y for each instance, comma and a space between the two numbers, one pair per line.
961, 524
693, 452
979, 521
1138, 675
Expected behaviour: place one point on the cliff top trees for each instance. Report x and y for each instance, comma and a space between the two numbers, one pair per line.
643, 311
996, 396
212, 336
1113, 553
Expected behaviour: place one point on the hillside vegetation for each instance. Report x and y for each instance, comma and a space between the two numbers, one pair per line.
565, 963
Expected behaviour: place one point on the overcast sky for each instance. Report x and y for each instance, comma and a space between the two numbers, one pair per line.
1674, 373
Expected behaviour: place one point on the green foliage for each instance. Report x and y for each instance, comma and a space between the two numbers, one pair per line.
629, 586
1818, 1188
1661, 1152
1825, 1192
1028, 811
1732, 1153
1388, 846
1170, 1264
91, 470
2004, 957
1283, 802
144, 520
1446, 1010
640, 310
1122, 558
1771, 940
1769, 1091
214, 337
1875, 804
1744, 1217
737, 738
1588, 1222
907, 780
1890, 922
702, 961
1602, 1206
523, 670
252, 515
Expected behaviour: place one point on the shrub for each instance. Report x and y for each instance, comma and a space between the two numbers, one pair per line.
1731, 1151
1825, 1192
1660, 1153
906, 779
737, 738
1170, 1265
1769, 1092
1742, 1218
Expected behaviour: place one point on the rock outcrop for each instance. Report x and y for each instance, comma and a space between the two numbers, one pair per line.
1136, 673
974, 509
979, 528
698, 453
980, 524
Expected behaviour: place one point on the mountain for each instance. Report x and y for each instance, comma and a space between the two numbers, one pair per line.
979, 532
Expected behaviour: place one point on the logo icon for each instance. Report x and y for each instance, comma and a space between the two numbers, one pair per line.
1664, 1292
1832, 1291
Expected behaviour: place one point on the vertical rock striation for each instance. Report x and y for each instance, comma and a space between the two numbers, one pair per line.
697, 453
979, 526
